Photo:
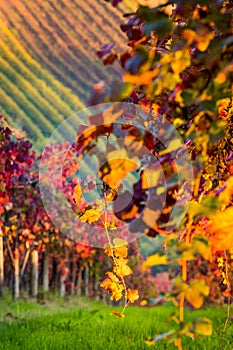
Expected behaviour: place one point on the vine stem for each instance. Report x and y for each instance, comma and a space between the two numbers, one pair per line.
112, 254
184, 278
182, 295
228, 301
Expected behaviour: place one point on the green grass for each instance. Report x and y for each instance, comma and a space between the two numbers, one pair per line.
83, 325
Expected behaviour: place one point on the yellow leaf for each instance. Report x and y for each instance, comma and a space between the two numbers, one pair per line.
179, 60
111, 225
117, 293
122, 269
202, 326
144, 302
194, 298
118, 250
202, 38
170, 80
196, 292
90, 216
132, 295
112, 277
179, 98
149, 342
118, 242
153, 260
179, 287
108, 250
113, 286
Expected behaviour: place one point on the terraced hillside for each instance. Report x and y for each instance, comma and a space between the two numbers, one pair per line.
47, 58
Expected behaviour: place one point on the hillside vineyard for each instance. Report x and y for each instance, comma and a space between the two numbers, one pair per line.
48, 60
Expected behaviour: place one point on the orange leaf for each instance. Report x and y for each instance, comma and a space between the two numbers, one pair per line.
120, 251
132, 295
118, 314
77, 194
113, 286
221, 230
150, 177
143, 79
107, 116
226, 195
112, 276
117, 167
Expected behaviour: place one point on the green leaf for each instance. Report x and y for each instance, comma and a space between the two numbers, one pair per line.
217, 130
201, 246
207, 207
161, 26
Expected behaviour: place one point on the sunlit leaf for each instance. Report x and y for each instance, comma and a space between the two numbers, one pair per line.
122, 269
220, 229
141, 79
208, 207
226, 195
119, 248
117, 167
201, 38
90, 216
77, 194
196, 292
132, 295
113, 286
153, 260
202, 326
108, 116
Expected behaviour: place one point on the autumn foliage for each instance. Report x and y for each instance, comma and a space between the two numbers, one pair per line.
179, 64
177, 80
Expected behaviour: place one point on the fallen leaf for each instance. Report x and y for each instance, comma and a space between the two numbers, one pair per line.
118, 314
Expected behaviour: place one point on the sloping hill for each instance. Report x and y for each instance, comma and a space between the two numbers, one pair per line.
48, 62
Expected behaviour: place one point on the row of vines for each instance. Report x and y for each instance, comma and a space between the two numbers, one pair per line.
35, 258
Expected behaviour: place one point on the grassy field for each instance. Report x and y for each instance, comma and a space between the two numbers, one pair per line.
81, 324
